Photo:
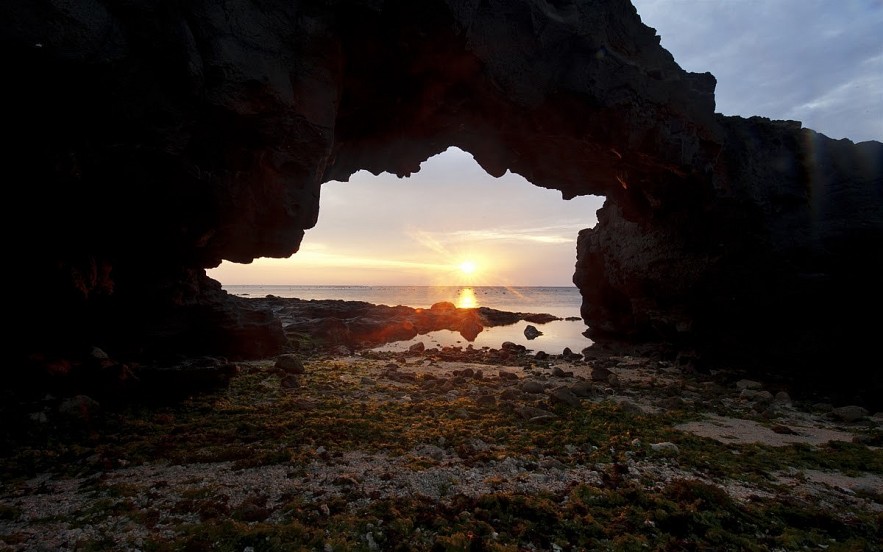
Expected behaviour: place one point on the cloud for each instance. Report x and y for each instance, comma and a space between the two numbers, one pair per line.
547, 234
815, 61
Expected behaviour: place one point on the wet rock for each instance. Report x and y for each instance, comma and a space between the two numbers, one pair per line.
418, 347
514, 348
541, 355
503, 375
531, 332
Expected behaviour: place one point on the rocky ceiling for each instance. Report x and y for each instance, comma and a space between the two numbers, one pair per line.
148, 141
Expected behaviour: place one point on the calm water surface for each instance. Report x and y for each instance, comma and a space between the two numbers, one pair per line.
559, 301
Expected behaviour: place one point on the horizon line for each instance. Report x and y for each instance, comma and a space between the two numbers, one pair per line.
402, 285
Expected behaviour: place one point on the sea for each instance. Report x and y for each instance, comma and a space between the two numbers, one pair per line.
563, 302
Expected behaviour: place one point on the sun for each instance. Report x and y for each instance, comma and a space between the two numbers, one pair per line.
468, 267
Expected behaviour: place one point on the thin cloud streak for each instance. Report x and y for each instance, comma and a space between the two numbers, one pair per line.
508, 236
315, 259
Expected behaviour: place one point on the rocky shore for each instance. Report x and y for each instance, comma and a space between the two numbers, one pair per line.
330, 448
356, 325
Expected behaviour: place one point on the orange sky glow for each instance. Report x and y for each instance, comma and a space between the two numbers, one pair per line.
431, 229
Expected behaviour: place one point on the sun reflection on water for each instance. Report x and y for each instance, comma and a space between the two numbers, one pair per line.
466, 299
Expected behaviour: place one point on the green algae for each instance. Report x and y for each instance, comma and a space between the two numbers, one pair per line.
255, 422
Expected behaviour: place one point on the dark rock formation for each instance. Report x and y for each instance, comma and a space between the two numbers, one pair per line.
329, 323
149, 141
776, 271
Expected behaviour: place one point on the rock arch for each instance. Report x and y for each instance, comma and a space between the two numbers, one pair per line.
154, 140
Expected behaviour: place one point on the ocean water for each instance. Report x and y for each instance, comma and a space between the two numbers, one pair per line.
563, 302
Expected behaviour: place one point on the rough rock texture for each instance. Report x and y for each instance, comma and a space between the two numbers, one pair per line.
152, 140
776, 271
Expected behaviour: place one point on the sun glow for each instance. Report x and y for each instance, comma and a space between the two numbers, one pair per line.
468, 267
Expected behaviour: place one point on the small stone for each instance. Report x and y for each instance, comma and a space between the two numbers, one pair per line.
582, 389
673, 403
748, 384
532, 386
666, 448
783, 398
418, 347
290, 364
510, 394
630, 407
289, 382
763, 397
80, 407
535, 414
503, 375
849, 413
564, 395
600, 374
541, 355
613, 380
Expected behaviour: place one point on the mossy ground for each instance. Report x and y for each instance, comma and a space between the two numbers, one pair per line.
634, 498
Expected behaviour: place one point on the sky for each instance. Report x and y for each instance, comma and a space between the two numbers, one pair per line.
815, 61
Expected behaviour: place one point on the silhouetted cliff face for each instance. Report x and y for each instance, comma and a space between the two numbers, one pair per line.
153, 140
774, 270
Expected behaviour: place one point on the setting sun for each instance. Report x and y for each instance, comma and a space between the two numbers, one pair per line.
467, 267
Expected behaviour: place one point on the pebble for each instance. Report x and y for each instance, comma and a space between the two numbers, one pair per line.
666, 448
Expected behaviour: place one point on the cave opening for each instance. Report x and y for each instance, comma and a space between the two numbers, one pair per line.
449, 232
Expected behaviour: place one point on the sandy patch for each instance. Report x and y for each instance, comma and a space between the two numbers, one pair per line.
740, 431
